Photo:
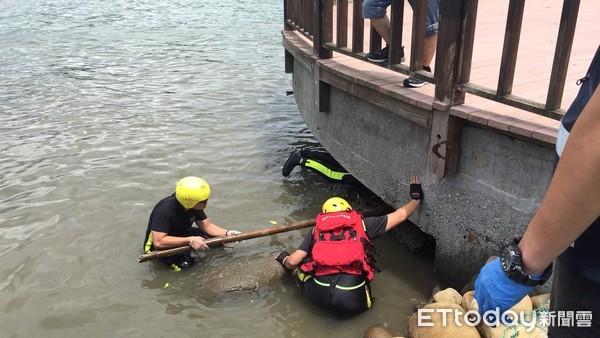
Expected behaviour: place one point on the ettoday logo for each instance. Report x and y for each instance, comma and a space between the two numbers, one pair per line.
530, 320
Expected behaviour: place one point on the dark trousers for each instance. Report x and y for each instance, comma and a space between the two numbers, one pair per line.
573, 294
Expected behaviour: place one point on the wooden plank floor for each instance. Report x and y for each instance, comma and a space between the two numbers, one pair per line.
536, 49
534, 62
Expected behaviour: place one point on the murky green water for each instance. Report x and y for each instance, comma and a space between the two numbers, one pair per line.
104, 105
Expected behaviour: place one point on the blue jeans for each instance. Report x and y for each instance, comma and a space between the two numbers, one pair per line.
376, 9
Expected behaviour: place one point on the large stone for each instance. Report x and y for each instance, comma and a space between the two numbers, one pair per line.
377, 332
517, 330
469, 303
448, 295
445, 324
540, 300
244, 276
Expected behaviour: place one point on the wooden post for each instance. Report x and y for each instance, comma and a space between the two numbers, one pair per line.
286, 16
323, 90
324, 33
375, 40
396, 21
289, 62
466, 49
444, 150
358, 27
512, 36
342, 23
564, 43
453, 59
323, 29
454, 49
418, 35
374, 37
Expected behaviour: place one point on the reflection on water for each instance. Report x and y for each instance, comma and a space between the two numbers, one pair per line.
104, 105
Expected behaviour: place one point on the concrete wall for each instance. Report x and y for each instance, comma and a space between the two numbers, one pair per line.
499, 184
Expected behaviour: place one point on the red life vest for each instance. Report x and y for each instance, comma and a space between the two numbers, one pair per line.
340, 245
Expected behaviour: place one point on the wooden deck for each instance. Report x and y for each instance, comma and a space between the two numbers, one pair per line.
534, 63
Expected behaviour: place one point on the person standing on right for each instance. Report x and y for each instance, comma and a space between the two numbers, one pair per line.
565, 229
375, 11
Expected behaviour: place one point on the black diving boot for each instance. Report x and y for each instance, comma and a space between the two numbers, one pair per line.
294, 160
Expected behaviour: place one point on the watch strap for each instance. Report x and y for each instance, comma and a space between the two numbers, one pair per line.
511, 262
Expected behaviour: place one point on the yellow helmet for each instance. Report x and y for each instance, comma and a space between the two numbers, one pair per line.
191, 190
336, 204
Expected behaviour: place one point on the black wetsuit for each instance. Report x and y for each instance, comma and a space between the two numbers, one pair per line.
170, 217
323, 163
345, 294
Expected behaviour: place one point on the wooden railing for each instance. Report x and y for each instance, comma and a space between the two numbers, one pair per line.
327, 22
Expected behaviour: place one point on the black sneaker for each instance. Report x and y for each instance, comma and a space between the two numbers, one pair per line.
413, 82
381, 56
384, 55
294, 160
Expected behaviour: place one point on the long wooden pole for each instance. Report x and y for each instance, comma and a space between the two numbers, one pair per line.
218, 241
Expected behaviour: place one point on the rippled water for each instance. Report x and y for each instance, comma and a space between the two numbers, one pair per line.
104, 105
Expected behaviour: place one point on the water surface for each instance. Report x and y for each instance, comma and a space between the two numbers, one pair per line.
104, 105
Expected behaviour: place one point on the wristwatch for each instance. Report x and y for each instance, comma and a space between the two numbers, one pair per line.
512, 265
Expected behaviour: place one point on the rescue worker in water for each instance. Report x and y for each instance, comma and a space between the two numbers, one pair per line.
335, 261
171, 220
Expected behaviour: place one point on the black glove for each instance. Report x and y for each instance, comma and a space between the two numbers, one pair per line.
416, 192
281, 257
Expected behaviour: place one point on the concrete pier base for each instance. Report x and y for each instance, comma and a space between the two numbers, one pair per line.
499, 181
